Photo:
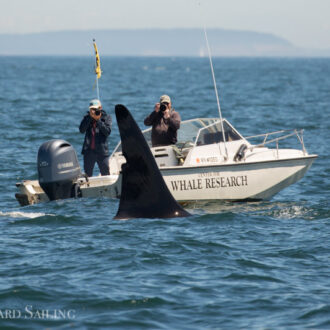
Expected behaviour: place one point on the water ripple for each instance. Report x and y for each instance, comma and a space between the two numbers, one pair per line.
251, 265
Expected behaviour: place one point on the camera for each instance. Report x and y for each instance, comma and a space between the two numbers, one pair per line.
97, 112
163, 107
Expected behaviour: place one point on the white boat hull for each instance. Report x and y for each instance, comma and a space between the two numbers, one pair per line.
241, 181
204, 168
254, 181
30, 191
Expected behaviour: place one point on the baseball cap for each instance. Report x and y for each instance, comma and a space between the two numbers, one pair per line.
165, 98
95, 104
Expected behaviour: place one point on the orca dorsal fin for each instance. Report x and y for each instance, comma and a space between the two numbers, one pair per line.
144, 193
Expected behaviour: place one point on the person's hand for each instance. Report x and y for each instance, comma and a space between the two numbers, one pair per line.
166, 114
93, 115
157, 106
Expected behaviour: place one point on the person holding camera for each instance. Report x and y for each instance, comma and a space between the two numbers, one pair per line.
165, 122
96, 125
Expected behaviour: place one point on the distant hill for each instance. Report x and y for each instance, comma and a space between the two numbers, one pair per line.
152, 42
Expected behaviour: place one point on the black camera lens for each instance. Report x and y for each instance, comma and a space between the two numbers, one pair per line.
97, 112
163, 107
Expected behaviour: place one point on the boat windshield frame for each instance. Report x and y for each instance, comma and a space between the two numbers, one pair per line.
215, 136
192, 130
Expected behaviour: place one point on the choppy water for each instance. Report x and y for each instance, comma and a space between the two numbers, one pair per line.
68, 264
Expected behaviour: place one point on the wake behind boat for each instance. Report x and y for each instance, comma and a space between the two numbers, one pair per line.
211, 161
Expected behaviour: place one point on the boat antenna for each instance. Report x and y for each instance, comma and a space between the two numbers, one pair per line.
98, 71
215, 88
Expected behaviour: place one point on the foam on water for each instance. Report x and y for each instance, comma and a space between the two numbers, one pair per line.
20, 214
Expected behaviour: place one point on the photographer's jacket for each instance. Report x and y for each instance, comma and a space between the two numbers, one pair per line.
164, 131
97, 132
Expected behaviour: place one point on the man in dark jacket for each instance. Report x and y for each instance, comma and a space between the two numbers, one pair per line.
96, 125
165, 122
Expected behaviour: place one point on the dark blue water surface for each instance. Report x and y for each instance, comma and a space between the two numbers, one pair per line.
68, 264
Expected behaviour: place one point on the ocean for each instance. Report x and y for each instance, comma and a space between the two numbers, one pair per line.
67, 264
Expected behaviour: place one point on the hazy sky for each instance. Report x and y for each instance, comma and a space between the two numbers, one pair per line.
305, 23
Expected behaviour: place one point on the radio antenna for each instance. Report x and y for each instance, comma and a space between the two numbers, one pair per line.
214, 82
215, 89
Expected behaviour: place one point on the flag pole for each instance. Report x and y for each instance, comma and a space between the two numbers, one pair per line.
97, 88
98, 71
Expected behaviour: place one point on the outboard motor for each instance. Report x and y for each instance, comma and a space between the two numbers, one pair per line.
58, 169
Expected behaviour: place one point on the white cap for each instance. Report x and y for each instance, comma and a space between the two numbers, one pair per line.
95, 104
165, 98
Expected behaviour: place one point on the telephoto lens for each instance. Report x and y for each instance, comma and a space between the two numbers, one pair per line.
162, 107
97, 112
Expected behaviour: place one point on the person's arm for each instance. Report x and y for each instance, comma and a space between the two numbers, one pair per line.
174, 120
104, 125
148, 121
85, 123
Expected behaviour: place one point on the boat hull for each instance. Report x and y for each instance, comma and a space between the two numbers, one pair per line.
235, 182
109, 186
242, 181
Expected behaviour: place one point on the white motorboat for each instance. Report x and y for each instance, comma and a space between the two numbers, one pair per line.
211, 161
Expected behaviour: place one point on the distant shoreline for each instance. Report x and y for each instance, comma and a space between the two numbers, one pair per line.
153, 42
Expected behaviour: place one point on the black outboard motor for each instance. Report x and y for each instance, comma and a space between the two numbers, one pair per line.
58, 169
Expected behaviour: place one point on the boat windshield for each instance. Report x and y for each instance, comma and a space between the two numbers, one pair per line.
200, 131
213, 133
189, 129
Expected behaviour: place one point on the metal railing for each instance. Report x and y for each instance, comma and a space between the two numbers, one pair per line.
298, 133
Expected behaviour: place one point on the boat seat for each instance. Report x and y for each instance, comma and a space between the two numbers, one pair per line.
181, 150
164, 156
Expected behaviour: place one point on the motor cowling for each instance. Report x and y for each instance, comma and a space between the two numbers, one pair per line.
58, 169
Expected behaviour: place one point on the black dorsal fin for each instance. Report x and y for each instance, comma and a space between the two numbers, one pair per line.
144, 193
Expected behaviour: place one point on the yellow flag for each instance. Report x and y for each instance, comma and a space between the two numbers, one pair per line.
97, 63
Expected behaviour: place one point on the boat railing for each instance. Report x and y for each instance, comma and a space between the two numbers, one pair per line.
298, 133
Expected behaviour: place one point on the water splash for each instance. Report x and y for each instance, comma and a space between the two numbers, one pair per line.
19, 214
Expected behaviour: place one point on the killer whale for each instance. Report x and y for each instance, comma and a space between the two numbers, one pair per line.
144, 193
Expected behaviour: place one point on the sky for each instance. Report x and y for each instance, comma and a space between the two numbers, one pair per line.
305, 23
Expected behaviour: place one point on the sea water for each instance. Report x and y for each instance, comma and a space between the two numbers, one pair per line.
68, 264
